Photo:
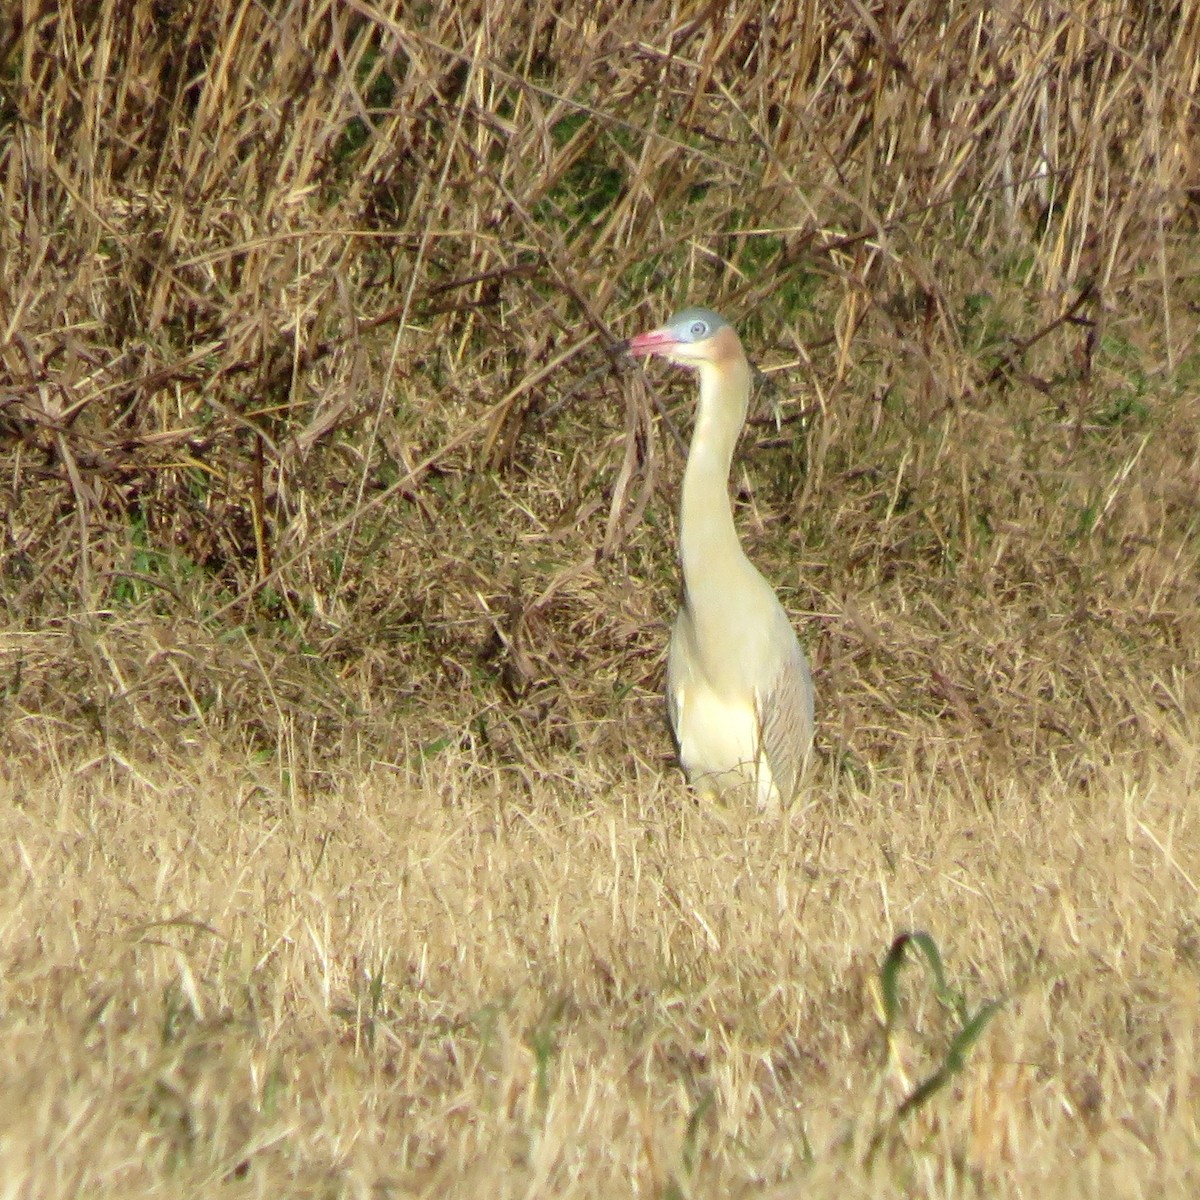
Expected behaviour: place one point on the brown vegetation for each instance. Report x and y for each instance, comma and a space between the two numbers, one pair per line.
343, 849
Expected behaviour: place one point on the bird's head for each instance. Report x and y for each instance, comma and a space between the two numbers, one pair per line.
695, 337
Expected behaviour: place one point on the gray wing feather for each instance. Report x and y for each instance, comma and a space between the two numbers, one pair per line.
679, 669
786, 720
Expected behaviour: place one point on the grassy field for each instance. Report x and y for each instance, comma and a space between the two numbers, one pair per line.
342, 852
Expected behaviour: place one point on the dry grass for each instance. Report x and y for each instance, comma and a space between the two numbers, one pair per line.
336, 549
456, 985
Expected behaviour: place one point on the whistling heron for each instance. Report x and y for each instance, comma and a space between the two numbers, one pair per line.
739, 689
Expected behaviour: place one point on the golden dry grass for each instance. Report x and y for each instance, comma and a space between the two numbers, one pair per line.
342, 853
455, 985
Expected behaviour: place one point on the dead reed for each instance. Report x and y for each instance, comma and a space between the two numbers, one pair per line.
309, 424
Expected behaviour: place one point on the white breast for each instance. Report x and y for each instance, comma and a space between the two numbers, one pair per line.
719, 738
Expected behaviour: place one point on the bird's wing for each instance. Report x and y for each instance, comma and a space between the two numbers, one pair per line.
679, 669
785, 715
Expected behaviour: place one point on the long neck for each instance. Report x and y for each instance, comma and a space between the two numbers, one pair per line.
709, 547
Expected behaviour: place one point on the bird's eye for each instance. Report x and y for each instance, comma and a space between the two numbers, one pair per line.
699, 328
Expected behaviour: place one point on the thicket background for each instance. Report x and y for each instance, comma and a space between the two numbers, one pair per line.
311, 428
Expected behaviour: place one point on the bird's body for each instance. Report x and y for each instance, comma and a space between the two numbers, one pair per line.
739, 690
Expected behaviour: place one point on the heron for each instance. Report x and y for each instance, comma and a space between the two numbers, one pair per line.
739, 687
